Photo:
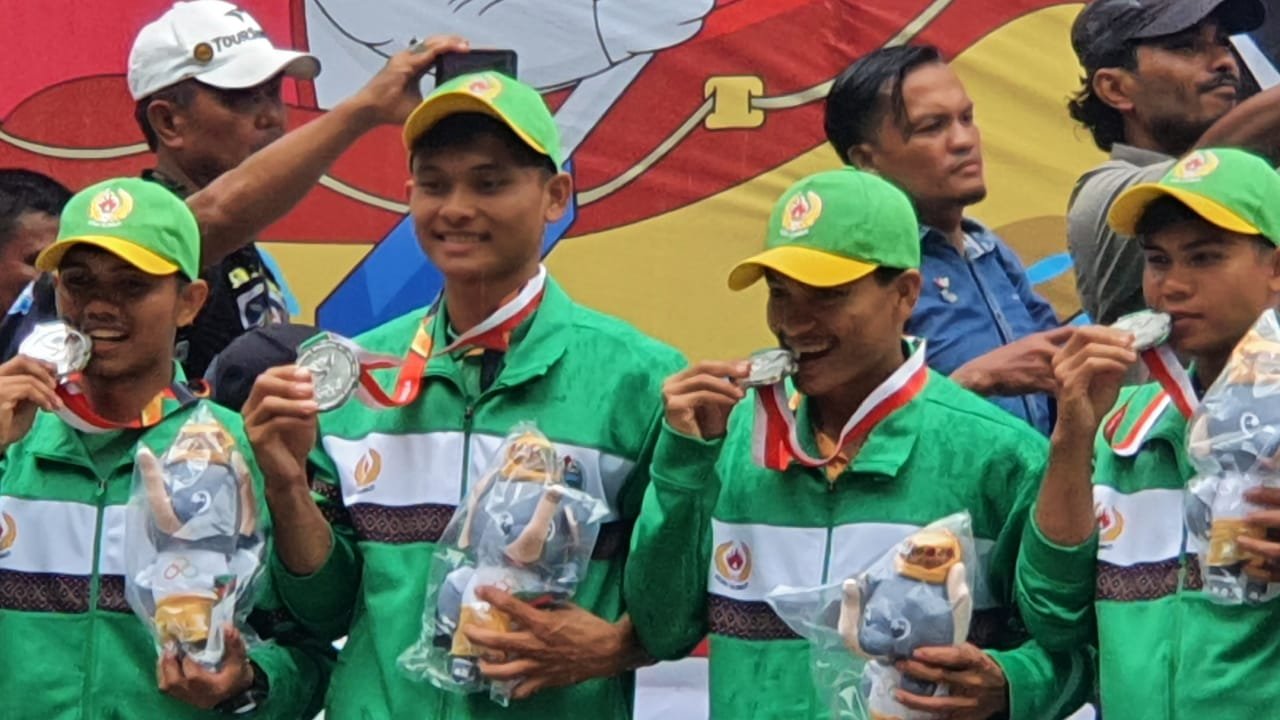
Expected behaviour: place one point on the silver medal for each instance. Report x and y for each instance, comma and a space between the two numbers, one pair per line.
769, 367
60, 345
335, 372
1149, 328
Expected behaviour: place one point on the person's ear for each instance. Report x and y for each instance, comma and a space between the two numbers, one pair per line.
169, 123
1115, 88
559, 195
906, 291
863, 157
191, 298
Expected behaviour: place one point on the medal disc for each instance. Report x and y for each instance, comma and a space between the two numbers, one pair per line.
335, 372
1149, 328
59, 344
769, 367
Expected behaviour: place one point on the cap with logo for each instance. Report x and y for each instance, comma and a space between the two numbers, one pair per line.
1103, 29
515, 104
833, 228
1232, 189
213, 41
138, 221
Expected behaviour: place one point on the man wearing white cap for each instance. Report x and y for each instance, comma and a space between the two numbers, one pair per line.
207, 84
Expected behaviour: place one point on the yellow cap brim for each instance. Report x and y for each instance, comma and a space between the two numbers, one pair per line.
438, 107
132, 253
1127, 209
802, 264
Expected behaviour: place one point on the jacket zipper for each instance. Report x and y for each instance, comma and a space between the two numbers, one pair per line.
95, 586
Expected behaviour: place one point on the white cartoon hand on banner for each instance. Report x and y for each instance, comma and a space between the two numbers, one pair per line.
599, 46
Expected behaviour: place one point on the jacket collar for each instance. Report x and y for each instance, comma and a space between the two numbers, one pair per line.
536, 344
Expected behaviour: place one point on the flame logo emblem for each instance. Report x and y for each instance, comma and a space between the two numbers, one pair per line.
801, 212
110, 207
1110, 525
368, 470
1196, 165
8, 533
733, 564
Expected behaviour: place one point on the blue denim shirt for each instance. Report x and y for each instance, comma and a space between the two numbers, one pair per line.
975, 303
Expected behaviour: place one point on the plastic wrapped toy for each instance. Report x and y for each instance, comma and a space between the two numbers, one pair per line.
916, 595
192, 540
521, 529
1234, 442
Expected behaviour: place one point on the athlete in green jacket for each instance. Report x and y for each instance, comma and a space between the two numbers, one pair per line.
127, 258
719, 531
1209, 230
487, 178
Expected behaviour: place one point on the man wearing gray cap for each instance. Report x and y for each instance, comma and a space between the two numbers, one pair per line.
1160, 79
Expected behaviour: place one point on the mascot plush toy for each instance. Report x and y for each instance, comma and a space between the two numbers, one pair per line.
1234, 440
521, 539
201, 503
922, 600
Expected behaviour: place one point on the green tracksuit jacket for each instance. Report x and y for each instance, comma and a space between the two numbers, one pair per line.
1165, 651
946, 451
70, 647
390, 480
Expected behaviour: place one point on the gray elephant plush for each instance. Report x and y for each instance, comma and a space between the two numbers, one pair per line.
922, 600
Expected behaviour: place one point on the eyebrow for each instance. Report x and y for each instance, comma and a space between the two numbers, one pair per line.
1197, 244
483, 167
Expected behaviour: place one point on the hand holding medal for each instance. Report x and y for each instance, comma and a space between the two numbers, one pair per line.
26, 383
1150, 330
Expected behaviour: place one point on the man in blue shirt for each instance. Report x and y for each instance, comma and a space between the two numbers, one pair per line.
903, 114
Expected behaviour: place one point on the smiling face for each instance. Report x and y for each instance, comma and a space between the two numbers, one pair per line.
480, 210
131, 317
840, 334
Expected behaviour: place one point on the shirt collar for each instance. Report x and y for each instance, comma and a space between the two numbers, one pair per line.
1138, 156
978, 239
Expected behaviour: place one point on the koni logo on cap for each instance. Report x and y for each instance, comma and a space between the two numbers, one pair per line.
800, 213
1195, 166
110, 207
486, 86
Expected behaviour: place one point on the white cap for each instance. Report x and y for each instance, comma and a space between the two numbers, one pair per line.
211, 40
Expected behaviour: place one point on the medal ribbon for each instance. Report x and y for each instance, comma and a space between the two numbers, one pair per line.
1131, 443
493, 333
1173, 378
77, 412
774, 443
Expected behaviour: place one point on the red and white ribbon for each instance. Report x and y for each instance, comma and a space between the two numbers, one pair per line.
1173, 378
493, 333
775, 444
1131, 443
77, 411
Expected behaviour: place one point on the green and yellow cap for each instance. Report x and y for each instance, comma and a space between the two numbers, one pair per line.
138, 221
515, 104
1232, 189
833, 228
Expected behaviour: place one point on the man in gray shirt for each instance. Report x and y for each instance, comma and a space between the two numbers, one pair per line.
1161, 79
